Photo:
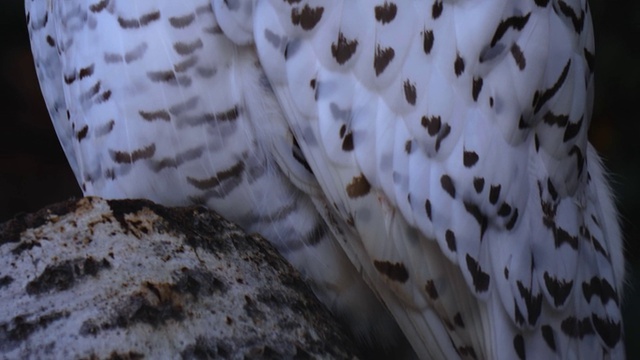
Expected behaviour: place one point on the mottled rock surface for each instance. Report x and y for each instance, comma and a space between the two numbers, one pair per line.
97, 279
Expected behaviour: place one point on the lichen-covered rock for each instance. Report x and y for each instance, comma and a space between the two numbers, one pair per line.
129, 279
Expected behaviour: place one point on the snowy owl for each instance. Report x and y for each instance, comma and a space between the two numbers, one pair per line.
424, 164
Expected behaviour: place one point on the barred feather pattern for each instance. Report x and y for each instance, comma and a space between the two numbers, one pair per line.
152, 100
441, 144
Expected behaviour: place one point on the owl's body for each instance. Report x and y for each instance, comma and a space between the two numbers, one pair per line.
434, 150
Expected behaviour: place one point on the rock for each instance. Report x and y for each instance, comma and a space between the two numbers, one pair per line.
129, 279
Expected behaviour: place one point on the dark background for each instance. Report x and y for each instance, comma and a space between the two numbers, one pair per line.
34, 172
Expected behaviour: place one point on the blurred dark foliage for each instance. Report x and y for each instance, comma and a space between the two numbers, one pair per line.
34, 172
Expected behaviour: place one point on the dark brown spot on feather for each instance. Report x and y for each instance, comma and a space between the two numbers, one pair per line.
494, 193
558, 289
480, 278
476, 88
82, 133
386, 12
382, 59
469, 158
343, 49
358, 187
308, 18
447, 184
436, 9
394, 271
450, 238
427, 41
458, 65
431, 290
410, 92
432, 124
478, 184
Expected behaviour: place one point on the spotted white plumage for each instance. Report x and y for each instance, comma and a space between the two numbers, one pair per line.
443, 143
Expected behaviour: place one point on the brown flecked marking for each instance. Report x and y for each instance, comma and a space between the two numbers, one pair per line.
382, 59
184, 48
99, 6
123, 157
85, 72
144, 20
407, 146
136, 53
427, 41
180, 22
394, 271
358, 187
343, 49
104, 97
386, 12
155, 115
308, 18
82, 133
410, 92
436, 9
234, 171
